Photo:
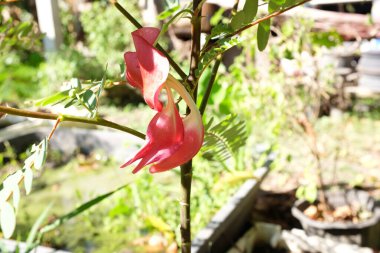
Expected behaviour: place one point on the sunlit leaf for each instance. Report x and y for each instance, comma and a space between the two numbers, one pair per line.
16, 196
275, 5
40, 155
224, 139
246, 15
28, 180
53, 99
89, 99
7, 219
167, 13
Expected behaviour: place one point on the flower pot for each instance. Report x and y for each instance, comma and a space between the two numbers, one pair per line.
364, 233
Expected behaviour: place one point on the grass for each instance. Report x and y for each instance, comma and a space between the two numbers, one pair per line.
148, 207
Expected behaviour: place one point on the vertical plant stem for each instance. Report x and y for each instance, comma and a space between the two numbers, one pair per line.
186, 169
210, 84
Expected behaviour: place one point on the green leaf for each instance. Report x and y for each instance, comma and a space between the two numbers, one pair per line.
275, 5
167, 13
53, 99
7, 219
263, 32
40, 155
30, 245
246, 15
16, 195
250, 8
289, 3
220, 47
238, 20
28, 180
224, 139
75, 84
89, 99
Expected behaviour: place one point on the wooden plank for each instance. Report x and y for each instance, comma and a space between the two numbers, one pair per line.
233, 219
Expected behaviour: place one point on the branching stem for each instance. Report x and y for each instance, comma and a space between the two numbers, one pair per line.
51, 116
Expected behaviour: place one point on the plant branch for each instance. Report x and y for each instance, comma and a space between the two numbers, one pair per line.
187, 168
257, 21
210, 84
52, 116
131, 19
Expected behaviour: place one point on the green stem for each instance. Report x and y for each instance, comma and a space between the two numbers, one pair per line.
131, 19
210, 84
52, 116
187, 168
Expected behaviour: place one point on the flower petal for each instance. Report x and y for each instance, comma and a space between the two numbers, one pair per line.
164, 135
132, 71
154, 66
189, 147
193, 133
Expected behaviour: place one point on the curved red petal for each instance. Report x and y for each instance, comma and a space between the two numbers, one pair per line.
132, 70
154, 67
150, 34
190, 146
164, 135
193, 133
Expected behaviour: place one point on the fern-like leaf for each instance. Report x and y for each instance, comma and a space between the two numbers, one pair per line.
224, 139
219, 48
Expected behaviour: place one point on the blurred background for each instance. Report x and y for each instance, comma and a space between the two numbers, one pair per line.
312, 98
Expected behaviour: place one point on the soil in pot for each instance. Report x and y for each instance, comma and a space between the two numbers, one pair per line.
354, 218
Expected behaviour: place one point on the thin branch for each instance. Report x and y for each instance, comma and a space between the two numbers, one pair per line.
257, 21
131, 19
52, 116
274, 14
210, 84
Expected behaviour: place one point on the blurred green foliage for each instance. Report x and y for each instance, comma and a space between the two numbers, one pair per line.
107, 32
20, 57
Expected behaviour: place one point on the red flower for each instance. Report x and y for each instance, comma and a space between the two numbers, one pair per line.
171, 140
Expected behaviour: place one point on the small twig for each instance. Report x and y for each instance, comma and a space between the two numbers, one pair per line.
54, 128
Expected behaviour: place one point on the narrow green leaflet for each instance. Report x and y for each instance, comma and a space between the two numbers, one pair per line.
222, 140
7, 219
61, 220
263, 32
31, 241
16, 196
221, 46
275, 5
28, 180
289, 3
53, 99
169, 12
40, 154
89, 99
246, 15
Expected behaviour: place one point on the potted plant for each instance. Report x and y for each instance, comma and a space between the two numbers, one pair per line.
342, 213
